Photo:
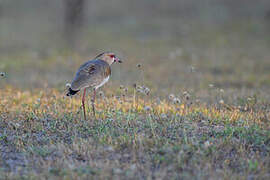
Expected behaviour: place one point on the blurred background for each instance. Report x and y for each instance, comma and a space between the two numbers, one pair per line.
182, 44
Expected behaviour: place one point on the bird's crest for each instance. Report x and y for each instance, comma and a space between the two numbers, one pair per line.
101, 54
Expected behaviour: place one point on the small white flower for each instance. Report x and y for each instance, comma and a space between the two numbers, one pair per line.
186, 95
171, 97
176, 101
221, 101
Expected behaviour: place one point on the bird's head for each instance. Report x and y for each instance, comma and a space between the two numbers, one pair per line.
109, 57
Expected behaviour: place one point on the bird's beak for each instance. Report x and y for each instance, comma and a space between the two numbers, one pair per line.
118, 60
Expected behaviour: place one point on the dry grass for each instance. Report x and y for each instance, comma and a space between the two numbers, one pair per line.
43, 135
215, 125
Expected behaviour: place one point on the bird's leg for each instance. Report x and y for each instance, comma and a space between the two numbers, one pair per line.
83, 99
93, 102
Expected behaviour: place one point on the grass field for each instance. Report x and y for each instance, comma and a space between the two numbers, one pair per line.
44, 136
200, 108
203, 118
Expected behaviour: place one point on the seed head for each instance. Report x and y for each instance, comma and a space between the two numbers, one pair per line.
176, 101
121, 87
101, 94
2, 74
186, 95
221, 101
171, 97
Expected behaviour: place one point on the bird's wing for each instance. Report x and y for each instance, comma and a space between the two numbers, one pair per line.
89, 74
84, 76
88, 69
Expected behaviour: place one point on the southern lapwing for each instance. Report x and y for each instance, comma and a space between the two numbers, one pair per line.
93, 74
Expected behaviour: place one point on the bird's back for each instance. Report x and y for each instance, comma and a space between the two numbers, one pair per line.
91, 74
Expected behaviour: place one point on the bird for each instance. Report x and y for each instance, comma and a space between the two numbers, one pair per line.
93, 74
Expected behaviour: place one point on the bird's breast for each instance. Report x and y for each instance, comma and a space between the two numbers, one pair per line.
103, 82
107, 71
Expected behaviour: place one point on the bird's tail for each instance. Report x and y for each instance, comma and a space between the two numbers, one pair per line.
71, 92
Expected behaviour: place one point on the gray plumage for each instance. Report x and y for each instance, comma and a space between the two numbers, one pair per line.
91, 74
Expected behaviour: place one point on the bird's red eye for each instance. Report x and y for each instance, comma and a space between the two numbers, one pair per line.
112, 56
